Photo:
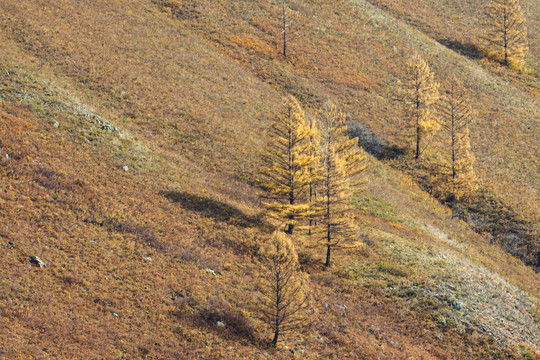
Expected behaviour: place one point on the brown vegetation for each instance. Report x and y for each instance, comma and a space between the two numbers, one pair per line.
144, 263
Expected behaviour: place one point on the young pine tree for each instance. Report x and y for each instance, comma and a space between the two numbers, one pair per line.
420, 94
506, 37
341, 159
456, 116
286, 159
285, 303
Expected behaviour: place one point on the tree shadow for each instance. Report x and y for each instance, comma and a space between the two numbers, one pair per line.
213, 209
215, 315
466, 49
372, 144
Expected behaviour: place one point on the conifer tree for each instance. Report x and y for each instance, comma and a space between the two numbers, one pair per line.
285, 303
420, 93
466, 181
341, 159
333, 131
285, 172
457, 115
506, 37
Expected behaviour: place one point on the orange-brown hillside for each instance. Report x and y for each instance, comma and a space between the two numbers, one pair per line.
129, 142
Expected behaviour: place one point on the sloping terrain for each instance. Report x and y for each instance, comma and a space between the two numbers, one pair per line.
129, 141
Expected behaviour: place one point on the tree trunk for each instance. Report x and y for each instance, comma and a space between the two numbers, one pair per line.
290, 228
418, 130
276, 337
284, 31
453, 136
505, 39
327, 263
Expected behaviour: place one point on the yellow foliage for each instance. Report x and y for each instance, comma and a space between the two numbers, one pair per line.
506, 36
456, 115
286, 159
341, 159
420, 94
285, 303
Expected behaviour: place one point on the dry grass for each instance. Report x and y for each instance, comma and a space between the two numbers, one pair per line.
189, 88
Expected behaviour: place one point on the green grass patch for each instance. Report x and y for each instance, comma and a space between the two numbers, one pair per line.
376, 207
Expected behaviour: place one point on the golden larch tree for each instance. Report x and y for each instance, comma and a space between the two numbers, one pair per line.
285, 304
333, 131
466, 181
420, 93
456, 116
285, 172
341, 160
506, 35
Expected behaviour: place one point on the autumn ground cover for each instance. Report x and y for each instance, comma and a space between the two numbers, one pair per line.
181, 96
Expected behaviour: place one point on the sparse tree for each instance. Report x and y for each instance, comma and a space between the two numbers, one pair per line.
285, 172
285, 303
285, 25
341, 160
506, 37
420, 94
466, 181
456, 116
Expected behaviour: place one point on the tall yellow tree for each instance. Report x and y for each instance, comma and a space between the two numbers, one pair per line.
341, 160
420, 94
506, 35
456, 116
285, 172
333, 131
285, 303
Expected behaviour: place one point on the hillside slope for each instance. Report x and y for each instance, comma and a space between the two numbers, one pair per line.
129, 141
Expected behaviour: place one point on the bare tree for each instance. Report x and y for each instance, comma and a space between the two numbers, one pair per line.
284, 30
